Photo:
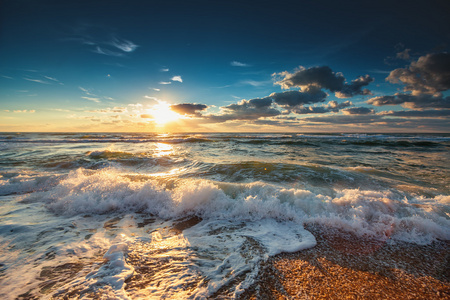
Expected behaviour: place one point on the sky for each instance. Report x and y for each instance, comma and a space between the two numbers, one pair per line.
224, 66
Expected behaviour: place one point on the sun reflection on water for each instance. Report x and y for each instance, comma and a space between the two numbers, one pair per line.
163, 149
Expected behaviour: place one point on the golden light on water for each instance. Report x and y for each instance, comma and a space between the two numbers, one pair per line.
163, 150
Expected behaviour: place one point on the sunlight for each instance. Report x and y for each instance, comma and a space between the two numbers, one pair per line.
162, 114
163, 150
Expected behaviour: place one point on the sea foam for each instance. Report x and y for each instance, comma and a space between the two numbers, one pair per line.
376, 213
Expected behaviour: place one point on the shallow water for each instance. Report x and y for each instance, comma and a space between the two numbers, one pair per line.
187, 216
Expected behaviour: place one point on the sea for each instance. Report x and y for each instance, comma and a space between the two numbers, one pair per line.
193, 216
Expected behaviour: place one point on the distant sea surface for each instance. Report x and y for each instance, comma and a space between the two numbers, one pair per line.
184, 216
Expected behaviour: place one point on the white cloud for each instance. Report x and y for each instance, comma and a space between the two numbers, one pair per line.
165, 82
164, 69
150, 97
51, 78
31, 111
155, 89
60, 109
177, 78
124, 45
238, 64
37, 80
88, 92
92, 99
104, 51
255, 83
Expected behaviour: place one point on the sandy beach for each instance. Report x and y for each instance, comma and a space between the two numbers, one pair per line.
344, 266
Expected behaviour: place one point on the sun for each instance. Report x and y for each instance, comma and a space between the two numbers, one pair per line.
162, 114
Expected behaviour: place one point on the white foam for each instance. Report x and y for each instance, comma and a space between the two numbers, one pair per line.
363, 211
242, 225
24, 182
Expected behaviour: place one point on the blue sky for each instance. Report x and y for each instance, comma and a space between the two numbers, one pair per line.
301, 66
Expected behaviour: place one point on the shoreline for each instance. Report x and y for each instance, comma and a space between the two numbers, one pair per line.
345, 266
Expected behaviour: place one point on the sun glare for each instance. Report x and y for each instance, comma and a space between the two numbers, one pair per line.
162, 114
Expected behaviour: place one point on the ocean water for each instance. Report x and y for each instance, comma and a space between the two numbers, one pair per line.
192, 216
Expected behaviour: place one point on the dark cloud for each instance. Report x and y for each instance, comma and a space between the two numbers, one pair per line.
346, 119
309, 95
188, 108
303, 110
417, 113
322, 77
421, 101
358, 111
332, 106
355, 87
247, 110
377, 122
278, 104
385, 100
404, 54
429, 74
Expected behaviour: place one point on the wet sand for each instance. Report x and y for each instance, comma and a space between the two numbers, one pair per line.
344, 266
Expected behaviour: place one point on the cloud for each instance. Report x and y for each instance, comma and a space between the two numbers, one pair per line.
311, 110
84, 90
30, 111
309, 95
52, 79
100, 50
247, 110
124, 45
254, 82
100, 40
165, 82
92, 99
417, 113
164, 69
156, 90
37, 80
404, 54
420, 101
324, 78
355, 87
188, 108
278, 104
332, 106
151, 97
89, 96
238, 64
358, 111
109, 110
430, 74
346, 119
177, 78
60, 109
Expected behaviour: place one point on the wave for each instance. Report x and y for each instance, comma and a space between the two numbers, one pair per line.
381, 214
